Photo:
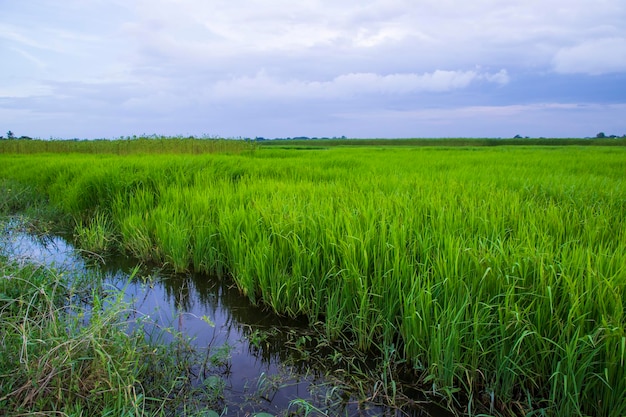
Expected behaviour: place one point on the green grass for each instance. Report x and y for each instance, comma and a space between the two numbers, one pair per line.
74, 347
96, 235
125, 146
497, 272
54, 363
310, 144
68, 345
68, 349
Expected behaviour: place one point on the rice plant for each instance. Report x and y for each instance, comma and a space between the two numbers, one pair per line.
496, 272
96, 235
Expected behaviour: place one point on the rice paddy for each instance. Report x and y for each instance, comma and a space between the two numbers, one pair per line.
496, 274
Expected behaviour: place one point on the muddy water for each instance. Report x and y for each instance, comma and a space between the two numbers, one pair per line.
260, 357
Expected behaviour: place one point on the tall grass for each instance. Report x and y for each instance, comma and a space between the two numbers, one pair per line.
54, 362
498, 273
73, 347
451, 142
124, 146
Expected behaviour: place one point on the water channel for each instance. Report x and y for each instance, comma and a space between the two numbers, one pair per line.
265, 364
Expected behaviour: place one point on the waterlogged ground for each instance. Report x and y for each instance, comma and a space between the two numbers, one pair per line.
258, 362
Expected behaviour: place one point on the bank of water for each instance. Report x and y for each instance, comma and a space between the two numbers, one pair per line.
265, 363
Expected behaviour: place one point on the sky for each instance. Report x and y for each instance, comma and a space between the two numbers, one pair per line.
316, 68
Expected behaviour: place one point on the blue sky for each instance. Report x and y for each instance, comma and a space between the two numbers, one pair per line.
282, 68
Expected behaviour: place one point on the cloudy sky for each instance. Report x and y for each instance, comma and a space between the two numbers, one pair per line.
284, 68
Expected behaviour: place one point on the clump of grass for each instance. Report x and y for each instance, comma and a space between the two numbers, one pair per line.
55, 358
24, 200
96, 235
16, 197
68, 348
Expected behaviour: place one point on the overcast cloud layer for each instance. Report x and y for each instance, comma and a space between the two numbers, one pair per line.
283, 68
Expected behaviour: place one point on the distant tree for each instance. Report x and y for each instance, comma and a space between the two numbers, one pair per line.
10, 135
601, 135
517, 137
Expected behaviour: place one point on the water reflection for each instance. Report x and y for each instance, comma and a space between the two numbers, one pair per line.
264, 367
260, 377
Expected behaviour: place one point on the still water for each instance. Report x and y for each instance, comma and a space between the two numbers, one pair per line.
264, 360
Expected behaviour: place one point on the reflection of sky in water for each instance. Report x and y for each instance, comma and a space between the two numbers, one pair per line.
174, 302
180, 302
52, 252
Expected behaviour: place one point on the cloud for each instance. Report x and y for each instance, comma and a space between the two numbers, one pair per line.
30, 57
593, 57
197, 66
348, 85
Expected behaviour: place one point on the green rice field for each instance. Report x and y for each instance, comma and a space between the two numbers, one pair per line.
497, 273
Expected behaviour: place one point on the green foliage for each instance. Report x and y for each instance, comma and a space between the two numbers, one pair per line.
67, 348
16, 197
303, 144
97, 236
496, 272
55, 357
128, 146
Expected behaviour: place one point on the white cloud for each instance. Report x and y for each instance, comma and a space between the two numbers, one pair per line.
594, 57
23, 90
34, 59
263, 85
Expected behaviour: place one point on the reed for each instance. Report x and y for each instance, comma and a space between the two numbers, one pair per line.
496, 272
152, 144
